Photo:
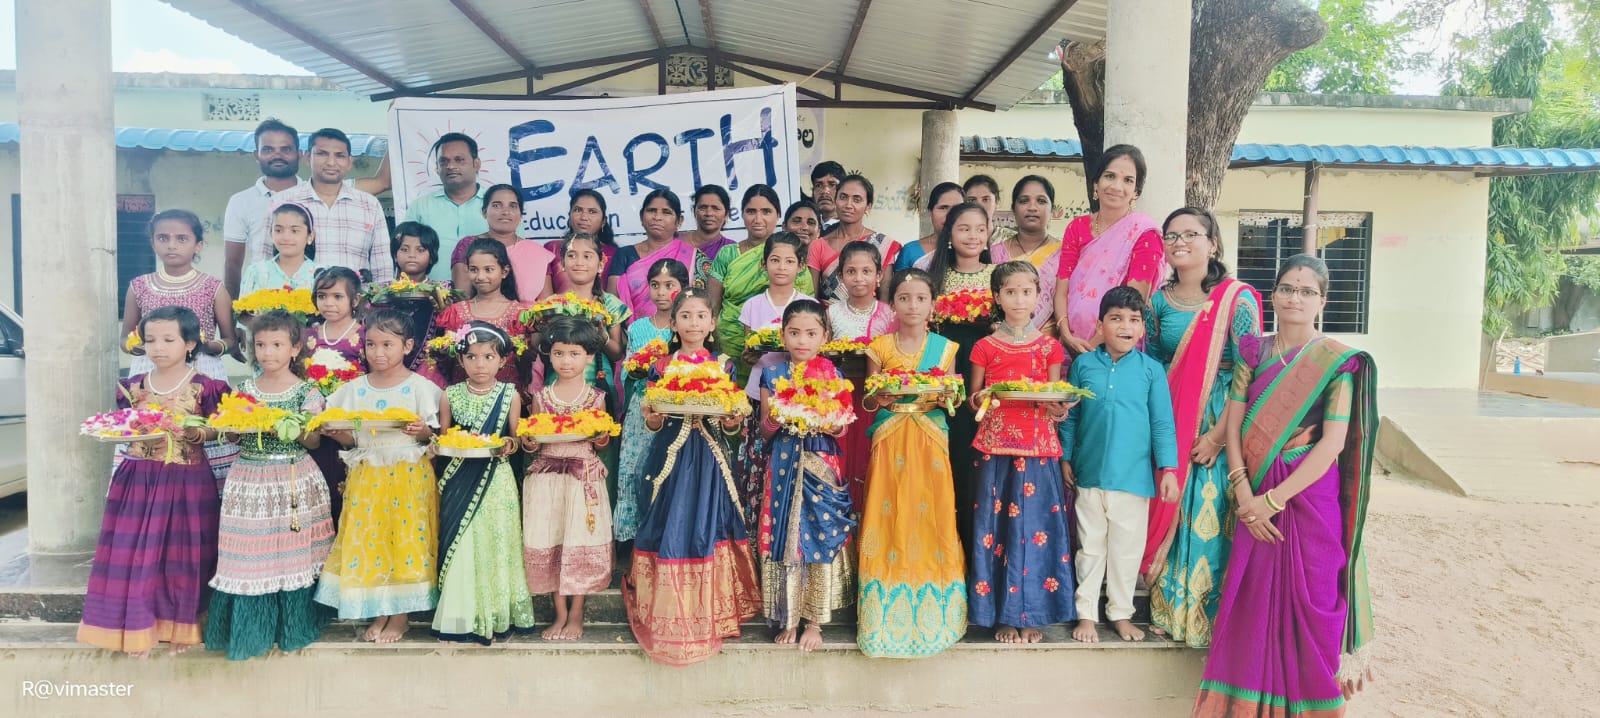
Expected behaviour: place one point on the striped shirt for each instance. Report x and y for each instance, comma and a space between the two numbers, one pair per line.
352, 233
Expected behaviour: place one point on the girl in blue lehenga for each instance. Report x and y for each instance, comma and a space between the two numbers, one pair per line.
668, 277
693, 579
806, 514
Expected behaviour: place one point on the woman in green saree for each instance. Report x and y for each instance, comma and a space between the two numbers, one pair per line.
737, 272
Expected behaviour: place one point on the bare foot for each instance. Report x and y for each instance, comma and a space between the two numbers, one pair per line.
553, 633
394, 629
1127, 630
1159, 631
1085, 632
810, 638
785, 637
572, 630
1005, 634
179, 649
1030, 635
373, 631
141, 655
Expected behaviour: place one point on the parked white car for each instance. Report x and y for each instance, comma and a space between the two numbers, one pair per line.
13, 400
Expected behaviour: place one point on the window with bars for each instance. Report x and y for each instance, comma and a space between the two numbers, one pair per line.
1266, 238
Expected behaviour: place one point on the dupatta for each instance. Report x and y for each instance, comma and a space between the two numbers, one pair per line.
464, 481
1274, 417
1193, 373
633, 287
1102, 264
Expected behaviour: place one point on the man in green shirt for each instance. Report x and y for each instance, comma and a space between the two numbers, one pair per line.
456, 209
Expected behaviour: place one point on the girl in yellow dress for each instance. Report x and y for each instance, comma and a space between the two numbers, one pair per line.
913, 591
383, 563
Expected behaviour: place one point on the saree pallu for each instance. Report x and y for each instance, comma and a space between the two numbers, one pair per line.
1046, 259
1295, 615
1096, 264
806, 520
693, 579
743, 276
633, 285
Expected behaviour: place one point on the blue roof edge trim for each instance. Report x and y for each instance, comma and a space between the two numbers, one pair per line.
183, 140
1531, 158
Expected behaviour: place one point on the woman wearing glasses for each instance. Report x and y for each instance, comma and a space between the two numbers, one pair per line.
1196, 323
1111, 246
1302, 420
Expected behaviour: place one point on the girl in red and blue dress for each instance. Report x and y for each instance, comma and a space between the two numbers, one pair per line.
1021, 552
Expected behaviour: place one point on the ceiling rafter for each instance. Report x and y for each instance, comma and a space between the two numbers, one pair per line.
1023, 43
488, 29
327, 48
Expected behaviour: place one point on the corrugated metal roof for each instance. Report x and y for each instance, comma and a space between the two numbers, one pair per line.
162, 138
945, 47
1509, 159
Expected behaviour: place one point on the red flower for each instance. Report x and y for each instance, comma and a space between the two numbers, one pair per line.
1014, 511
988, 540
1040, 537
316, 372
1051, 584
997, 506
982, 588
1028, 489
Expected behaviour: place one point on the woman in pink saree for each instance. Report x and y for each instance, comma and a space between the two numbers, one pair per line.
1109, 247
660, 214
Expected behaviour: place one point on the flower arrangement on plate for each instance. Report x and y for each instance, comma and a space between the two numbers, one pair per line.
561, 428
406, 288
816, 400
138, 424
965, 306
924, 384
338, 419
294, 301
569, 305
459, 443
243, 414
1038, 390
638, 364
769, 339
697, 385
844, 346
329, 370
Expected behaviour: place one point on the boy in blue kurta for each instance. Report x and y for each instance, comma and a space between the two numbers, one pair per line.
1113, 447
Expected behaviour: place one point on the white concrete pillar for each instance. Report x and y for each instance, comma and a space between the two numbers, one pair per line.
941, 156
69, 264
1147, 93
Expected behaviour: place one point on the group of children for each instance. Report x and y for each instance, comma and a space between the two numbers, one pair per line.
728, 517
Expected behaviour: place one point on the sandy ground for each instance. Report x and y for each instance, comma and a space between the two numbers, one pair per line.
1482, 608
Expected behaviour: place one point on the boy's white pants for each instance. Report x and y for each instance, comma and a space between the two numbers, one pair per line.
1111, 529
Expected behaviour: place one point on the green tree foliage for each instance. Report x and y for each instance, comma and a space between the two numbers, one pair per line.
1532, 217
1360, 54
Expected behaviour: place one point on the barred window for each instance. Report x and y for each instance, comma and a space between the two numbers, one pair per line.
1267, 237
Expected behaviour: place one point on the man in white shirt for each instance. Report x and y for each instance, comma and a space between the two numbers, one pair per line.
349, 225
245, 224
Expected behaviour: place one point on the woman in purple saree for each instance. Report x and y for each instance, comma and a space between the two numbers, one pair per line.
1295, 613
660, 214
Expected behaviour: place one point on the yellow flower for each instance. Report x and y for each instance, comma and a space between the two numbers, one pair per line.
393, 413
1041, 387
770, 338
699, 382
843, 346
457, 438
294, 301
587, 422
134, 341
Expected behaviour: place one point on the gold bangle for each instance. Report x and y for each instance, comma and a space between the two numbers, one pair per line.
1237, 472
1271, 502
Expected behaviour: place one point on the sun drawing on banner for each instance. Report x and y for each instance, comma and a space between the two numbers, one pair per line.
421, 173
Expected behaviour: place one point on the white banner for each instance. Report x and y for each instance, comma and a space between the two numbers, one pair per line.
621, 147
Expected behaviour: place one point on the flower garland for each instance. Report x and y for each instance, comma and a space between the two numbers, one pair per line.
814, 401
329, 370
966, 306
294, 301
588, 422
638, 363
570, 305
697, 380
332, 414
769, 339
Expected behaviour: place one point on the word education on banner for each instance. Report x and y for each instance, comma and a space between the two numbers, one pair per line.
623, 148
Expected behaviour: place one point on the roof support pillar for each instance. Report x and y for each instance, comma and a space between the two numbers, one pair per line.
1310, 229
69, 162
941, 154
1147, 93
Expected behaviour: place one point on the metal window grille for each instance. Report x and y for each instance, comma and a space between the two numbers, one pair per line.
1266, 238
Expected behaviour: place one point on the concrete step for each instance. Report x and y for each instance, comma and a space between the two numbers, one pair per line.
604, 608
606, 674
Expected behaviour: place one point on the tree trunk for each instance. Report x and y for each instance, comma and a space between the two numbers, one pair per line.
1234, 44
1083, 76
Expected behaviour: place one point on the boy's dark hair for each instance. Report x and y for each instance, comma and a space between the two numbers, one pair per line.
278, 320
790, 239
425, 235
305, 216
828, 168
448, 137
273, 124
181, 215
861, 247
188, 325
1123, 297
330, 133
326, 277
481, 332
392, 321
572, 330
